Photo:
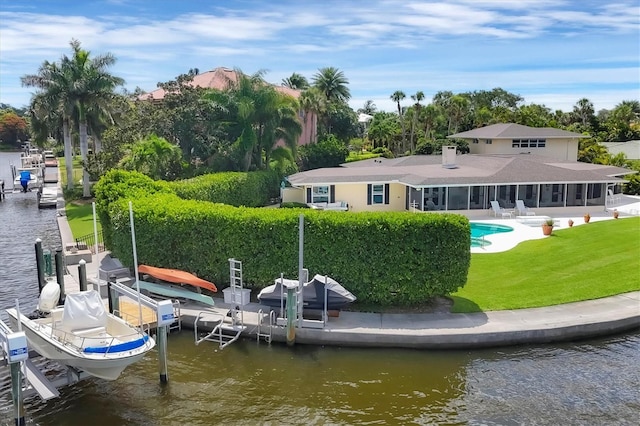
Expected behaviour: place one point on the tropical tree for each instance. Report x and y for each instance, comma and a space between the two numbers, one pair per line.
55, 84
93, 87
296, 81
313, 104
457, 109
155, 157
333, 84
418, 97
396, 97
368, 108
584, 111
12, 128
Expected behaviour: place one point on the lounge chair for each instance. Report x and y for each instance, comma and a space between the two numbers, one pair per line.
499, 211
523, 210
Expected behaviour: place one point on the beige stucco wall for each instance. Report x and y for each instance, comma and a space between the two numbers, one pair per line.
292, 195
562, 149
356, 196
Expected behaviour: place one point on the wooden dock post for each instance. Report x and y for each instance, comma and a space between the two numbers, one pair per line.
2, 190
291, 315
82, 275
161, 342
40, 264
59, 260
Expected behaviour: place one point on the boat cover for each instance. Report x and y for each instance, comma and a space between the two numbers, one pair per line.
83, 310
177, 276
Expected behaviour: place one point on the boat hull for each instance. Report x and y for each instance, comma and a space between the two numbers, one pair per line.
101, 365
313, 296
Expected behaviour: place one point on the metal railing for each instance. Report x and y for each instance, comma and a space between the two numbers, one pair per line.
89, 241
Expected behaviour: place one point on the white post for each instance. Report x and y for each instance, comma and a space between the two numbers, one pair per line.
135, 260
95, 238
300, 267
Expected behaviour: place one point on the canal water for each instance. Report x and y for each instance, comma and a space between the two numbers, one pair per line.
589, 382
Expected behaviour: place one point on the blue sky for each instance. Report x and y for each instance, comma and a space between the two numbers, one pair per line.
550, 52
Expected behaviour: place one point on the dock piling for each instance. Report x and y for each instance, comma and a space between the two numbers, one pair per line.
82, 274
40, 264
60, 273
291, 315
16, 394
161, 342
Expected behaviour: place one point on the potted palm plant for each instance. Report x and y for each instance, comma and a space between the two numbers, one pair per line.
547, 226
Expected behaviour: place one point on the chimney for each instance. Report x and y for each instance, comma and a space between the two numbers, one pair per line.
449, 157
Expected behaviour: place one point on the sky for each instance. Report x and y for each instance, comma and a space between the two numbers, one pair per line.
550, 52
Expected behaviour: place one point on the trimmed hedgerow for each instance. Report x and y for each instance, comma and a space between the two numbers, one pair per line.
383, 258
251, 189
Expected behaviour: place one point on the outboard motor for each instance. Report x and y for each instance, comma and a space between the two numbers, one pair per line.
48, 300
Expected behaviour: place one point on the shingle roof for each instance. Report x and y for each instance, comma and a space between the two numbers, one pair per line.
219, 79
425, 170
515, 131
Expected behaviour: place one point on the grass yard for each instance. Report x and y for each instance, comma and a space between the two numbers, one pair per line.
80, 217
77, 171
581, 263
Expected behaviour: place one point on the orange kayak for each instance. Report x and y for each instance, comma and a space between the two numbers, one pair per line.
177, 276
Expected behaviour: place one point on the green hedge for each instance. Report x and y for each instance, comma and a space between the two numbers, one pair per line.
383, 258
252, 189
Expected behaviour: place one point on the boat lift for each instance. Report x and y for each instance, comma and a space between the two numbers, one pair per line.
228, 327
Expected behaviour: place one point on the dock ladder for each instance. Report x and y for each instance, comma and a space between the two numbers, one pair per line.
229, 327
265, 334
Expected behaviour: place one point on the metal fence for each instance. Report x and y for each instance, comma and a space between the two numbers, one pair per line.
89, 242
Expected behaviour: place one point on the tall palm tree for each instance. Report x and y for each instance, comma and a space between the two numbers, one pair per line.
396, 97
419, 96
312, 104
92, 89
333, 84
55, 84
584, 110
368, 108
296, 81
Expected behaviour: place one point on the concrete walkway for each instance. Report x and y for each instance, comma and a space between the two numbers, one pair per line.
442, 331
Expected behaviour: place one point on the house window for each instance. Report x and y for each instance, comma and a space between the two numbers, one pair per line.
377, 194
488, 141
475, 141
515, 143
528, 143
320, 194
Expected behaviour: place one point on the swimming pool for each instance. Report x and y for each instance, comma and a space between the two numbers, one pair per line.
481, 230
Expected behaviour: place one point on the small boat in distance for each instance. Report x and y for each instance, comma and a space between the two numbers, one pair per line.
177, 276
82, 334
313, 296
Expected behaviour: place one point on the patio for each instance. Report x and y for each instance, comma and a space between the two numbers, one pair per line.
627, 206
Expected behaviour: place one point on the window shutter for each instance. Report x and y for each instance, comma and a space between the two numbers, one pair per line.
369, 194
308, 195
386, 193
332, 194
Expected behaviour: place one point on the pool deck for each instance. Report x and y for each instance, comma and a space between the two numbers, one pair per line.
572, 321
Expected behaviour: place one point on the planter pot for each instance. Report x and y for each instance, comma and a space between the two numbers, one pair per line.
570, 223
587, 218
615, 214
546, 229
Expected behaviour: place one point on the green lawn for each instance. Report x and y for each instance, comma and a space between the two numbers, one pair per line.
581, 263
80, 217
77, 171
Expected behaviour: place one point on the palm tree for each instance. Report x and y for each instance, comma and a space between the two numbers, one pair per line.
92, 88
296, 81
312, 104
458, 107
419, 96
396, 97
55, 84
430, 117
333, 84
584, 111
368, 108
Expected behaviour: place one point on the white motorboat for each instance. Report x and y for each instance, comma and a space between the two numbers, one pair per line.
28, 174
82, 334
